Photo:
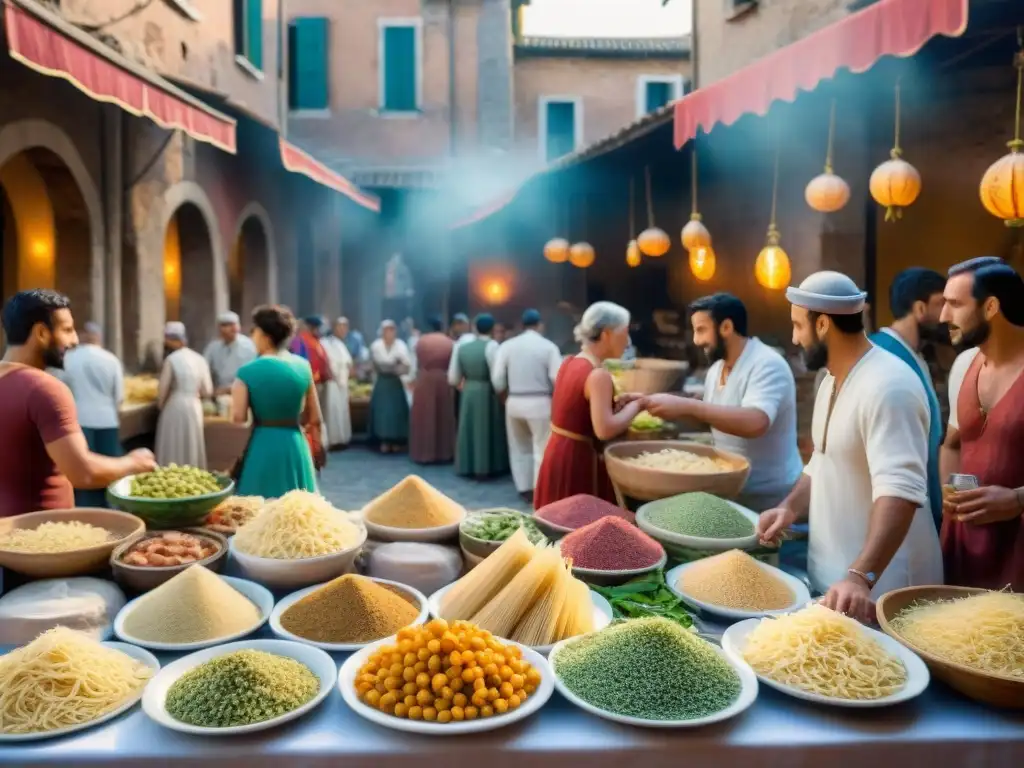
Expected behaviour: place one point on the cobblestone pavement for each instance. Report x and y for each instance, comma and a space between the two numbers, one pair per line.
355, 476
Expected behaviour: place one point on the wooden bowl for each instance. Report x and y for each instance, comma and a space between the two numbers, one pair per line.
652, 375
645, 484
78, 562
142, 578
996, 690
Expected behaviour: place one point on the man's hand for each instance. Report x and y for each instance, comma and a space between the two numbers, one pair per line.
982, 506
142, 460
851, 597
772, 524
670, 407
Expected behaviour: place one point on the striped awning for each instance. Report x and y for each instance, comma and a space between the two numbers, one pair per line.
297, 161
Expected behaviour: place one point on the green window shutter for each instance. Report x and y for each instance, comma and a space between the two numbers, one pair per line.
399, 60
308, 56
254, 32
561, 129
658, 95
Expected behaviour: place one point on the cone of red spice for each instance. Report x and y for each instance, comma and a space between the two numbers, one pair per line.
582, 509
611, 544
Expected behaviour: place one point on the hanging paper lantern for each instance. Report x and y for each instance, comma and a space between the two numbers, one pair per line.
702, 262
581, 255
896, 185
772, 267
827, 193
633, 257
654, 242
695, 234
1002, 187
556, 250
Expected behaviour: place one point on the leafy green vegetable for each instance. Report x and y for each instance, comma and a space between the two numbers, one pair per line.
644, 596
499, 526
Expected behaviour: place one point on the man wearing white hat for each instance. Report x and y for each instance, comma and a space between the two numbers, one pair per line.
865, 489
228, 353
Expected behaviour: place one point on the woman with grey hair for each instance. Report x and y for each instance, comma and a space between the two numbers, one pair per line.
585, 411
389, 407
185, 382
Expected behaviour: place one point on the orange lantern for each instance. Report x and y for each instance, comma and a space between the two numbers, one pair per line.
1002, 186
633, 257
772, 266
695, 234
556, 250
582, 255
827, 192
702, 262
653, 242
895, 184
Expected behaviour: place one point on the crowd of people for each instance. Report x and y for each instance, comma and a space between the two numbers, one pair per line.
872, 498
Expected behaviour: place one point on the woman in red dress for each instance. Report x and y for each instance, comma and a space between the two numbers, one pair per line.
584, 412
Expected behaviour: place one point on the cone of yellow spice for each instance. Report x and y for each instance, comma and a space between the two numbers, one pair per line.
446, 673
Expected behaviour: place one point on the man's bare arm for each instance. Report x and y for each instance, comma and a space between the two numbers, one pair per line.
87, 470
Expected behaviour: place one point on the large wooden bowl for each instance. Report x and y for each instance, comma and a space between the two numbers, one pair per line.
646, 484
996, 690
652, 375
78, 562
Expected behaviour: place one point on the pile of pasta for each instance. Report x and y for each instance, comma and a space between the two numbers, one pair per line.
298, 525
523, 592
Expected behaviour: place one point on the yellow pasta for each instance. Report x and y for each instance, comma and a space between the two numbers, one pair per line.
300, 524
501, 615
474, 590
54, 536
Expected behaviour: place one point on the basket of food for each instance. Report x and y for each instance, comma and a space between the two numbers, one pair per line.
649, 470
171, 496
65, 542
971, 639
648, 427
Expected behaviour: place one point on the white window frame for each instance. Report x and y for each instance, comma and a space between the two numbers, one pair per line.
542, 122
678, 83
383, 24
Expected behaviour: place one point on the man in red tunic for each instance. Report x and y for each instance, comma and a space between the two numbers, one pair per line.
983, 529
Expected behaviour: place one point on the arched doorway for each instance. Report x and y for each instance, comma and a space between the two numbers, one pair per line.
190, 293
250, 264
45, 233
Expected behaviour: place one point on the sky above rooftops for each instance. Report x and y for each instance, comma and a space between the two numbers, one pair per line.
607, 18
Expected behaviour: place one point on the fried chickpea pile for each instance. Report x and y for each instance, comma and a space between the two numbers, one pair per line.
446, 673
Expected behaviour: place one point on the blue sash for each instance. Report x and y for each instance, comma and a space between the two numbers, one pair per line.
888, 343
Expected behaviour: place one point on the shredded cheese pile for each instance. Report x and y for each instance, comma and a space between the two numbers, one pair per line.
300, 524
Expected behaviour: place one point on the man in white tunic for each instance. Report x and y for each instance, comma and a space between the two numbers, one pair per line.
337, 417
526, 367
865, 490
225, 355
749, 400
184, 382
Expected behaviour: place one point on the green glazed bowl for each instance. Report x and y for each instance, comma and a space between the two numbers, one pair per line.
161, 514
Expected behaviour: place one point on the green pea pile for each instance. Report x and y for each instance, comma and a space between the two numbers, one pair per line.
240, 688
174, 482
699, 514
651, 669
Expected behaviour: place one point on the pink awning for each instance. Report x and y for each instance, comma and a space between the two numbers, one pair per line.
297, 161
887, 28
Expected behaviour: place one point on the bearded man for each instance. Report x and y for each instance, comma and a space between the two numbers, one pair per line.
865, 490
983, 529
916, 301
749, 400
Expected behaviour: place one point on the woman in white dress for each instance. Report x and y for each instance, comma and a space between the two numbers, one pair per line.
184, 381
337, 418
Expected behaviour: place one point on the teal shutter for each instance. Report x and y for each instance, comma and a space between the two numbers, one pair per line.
254, 32
309, 56
561, 129
400, 69
658, 95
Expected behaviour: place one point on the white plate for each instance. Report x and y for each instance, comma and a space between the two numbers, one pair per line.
347, 686
155, 697
139, 654
735, 640
259, 596
285, 603
801, 595
387, 533
602, 613
283, 573
699, 542
746, 697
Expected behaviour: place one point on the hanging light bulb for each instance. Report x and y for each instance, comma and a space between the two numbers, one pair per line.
633, 257
1002, 186
582, 255
772, 268
702, 262
653, 242
556, 250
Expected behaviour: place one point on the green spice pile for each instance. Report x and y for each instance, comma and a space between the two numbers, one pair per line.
699, 514
499, 524
241, 688
650, 669
645, 597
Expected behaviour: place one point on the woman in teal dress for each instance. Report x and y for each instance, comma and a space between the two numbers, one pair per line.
278, 387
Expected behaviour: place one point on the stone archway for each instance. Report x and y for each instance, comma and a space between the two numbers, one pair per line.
51, 218
252, 264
